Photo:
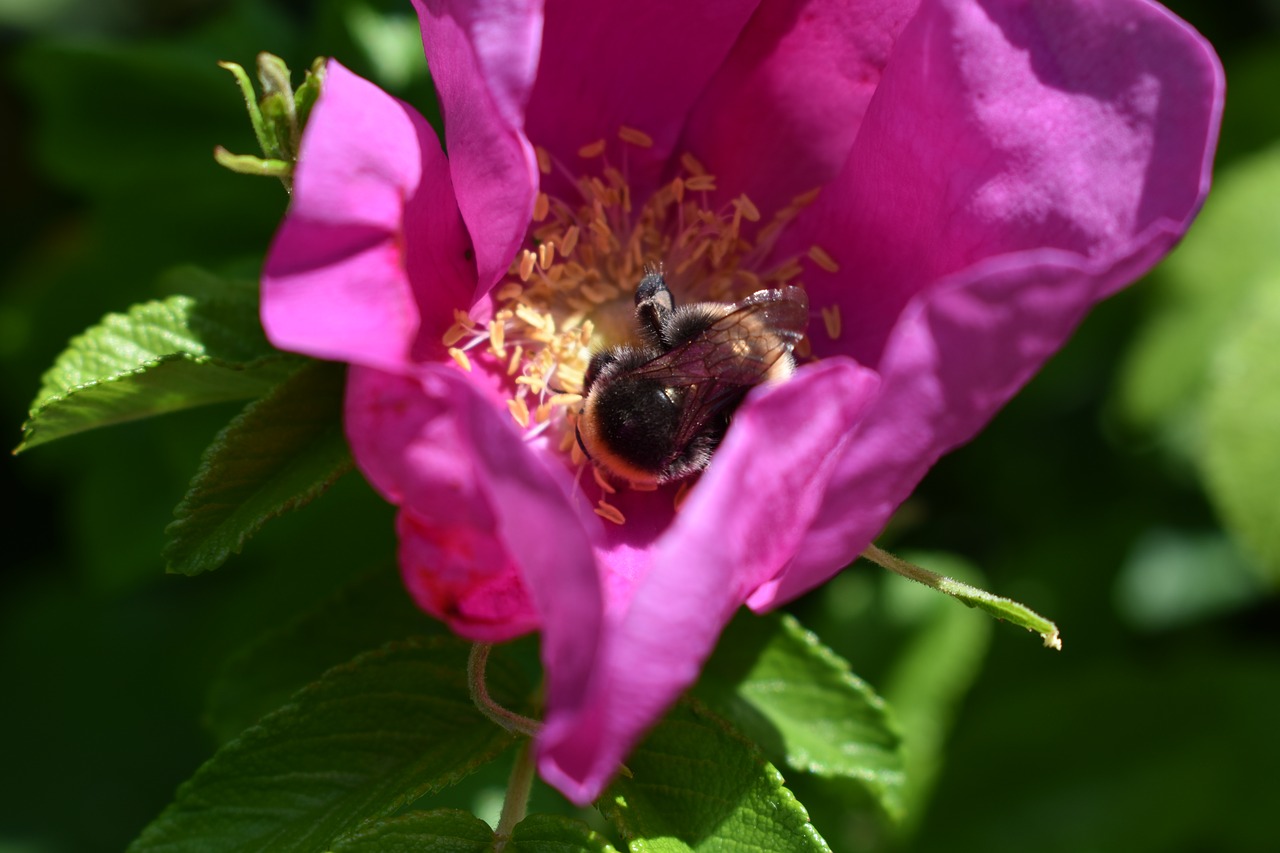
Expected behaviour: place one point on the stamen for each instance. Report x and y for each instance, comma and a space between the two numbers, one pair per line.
544, 160
594, 149
609, 512
453, 334
527, 261
642, 487
497, 336
831, 319
546, 255
691, 164
519, 410
541, 207
682, 494
602, 481
514, 364
820, 257
701, 183
509, 291
635, 137
461, 358
569, 241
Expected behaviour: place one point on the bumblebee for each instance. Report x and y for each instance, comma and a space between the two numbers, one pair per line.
655, 413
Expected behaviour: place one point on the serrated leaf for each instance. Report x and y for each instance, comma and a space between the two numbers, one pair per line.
368, 738
158, 357
695, 784
1242, 435
366, 614
801, 703
1004, 609
278, 454
545, 833
438, 831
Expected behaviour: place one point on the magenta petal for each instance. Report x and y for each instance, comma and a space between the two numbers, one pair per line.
639, 65
490, 542
792, 93
339, 282
1079, 142
483, 56
1004, 127
739, 527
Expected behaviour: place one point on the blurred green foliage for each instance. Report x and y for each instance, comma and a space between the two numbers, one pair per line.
1127, 492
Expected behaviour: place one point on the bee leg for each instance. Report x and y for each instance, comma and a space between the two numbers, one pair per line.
654, 307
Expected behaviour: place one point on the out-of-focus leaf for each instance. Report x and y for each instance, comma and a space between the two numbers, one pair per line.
1173, 578
800, 703
280, 453
1242, 434
1203, 286
438, 831
368, 738
158, 357
932, 673
694, 784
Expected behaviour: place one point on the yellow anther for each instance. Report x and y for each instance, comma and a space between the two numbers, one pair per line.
701, 183
519, 410
544, 160
594, 149
635, 137
453, 334
461, 358
831, 319
602, 481
527, 261
541, 207
609, 512
691, 164
820, 257
569, 241
546, 255
497, 336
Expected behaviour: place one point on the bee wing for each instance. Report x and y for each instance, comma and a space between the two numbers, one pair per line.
718, 367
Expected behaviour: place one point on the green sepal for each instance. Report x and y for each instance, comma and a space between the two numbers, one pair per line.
1005, 609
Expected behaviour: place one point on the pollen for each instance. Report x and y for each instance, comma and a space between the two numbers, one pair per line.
519, 410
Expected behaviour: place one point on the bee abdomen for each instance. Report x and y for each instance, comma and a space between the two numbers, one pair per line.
637, 421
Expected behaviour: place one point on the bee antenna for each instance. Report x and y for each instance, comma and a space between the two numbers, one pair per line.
654, 268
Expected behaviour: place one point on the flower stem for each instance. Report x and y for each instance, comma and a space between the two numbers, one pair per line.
517, 802
509, 720
885, 560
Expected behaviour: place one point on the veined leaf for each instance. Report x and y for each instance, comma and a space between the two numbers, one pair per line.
158, 357
801, 703
545, 833
437, 831
368, 738
696, 785
280, 453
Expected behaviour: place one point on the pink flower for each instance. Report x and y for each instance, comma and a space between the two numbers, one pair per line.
989, 169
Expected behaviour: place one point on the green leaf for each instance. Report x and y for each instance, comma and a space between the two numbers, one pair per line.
438, 831
545, 833
1201, 288
1242, 454
280, 453
368, 738
695, 784
366, 614
1005, 609
158, 357
800, 702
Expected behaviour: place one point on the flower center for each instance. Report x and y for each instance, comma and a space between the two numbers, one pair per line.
572, 292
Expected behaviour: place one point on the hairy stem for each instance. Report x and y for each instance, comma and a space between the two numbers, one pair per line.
509, 720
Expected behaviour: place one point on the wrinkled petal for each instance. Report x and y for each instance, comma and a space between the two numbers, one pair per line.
341, 281
739, 526
793, 91
483, 56
639, 65
1080, 138
476, 507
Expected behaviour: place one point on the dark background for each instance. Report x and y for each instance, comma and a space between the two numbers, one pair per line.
1152, 731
